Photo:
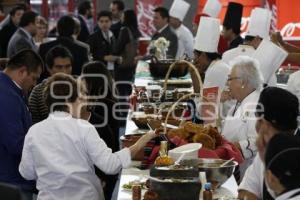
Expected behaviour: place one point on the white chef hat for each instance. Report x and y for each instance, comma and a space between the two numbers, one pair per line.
270, 57
293, 84
212, 8
179, 9
260, 22
208, 35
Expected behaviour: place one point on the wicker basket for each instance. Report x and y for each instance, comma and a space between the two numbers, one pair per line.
190, 65
159, 68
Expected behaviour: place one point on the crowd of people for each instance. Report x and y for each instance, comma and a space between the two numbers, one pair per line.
61, 109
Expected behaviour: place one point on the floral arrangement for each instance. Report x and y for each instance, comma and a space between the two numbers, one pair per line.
161, 46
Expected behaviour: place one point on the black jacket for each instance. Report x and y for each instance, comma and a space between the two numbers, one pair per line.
84, 32
79, 52
99, 46
6, 33
236, 42
115, 28
171, 37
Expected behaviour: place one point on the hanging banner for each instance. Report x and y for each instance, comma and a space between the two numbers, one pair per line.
144, 10
285, 14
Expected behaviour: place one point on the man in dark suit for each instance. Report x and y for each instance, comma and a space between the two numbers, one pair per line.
22, 38
161, 23
65, 28
116, 7
17, 79
10, 27
102, 42
85, 11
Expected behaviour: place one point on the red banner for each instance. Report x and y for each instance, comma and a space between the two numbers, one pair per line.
144, 10
285, 14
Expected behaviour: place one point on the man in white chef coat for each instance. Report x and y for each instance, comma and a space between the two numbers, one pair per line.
258, 29
185, 38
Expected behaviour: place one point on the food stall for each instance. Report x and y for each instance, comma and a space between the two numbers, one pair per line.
139, 173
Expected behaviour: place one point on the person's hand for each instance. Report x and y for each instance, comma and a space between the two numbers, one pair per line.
276, 38
244, 194
142, 142
238, 146
137, 58
119, 60
110, 58
225, 96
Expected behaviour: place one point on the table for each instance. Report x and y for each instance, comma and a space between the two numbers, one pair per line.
227, 191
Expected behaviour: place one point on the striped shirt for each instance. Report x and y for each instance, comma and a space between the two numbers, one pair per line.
37, 105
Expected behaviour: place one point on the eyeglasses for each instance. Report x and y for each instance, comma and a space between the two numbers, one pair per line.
233, 78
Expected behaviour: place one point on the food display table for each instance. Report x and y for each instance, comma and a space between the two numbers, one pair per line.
227, 191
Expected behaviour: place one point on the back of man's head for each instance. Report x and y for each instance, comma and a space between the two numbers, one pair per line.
281, 159
66, 26
28, 18
279, 107
84, 7
120, 5
28, 58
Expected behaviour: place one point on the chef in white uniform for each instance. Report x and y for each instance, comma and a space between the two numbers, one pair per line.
60, 152
258, 29
206, 57
185, 37
245, 83
279, 115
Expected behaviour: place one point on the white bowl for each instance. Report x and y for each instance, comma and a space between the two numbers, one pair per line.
190, 151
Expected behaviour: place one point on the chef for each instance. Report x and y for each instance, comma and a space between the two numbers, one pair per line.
232, 24
185, 37
212, 8
245, 83
276, 112
270, 58
282, 169
206, 58
258, 29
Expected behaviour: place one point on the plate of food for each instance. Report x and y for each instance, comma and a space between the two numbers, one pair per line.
128, 186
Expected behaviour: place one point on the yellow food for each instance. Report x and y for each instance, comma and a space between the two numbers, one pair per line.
163, 161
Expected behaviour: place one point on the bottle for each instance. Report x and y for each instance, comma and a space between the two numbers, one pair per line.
136, 192
163, 159
207, 193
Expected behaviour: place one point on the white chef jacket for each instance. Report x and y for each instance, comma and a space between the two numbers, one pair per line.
60, 153
290, 195
216, 75
240, 127
241, 50
185, 42
253, 180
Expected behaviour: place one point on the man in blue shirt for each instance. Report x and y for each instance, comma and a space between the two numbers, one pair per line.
17, 79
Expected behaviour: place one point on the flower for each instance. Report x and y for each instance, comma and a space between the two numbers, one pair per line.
161, 47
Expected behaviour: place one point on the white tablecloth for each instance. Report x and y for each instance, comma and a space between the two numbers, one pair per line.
227, 191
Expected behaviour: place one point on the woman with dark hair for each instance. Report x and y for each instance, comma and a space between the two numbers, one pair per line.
99, 83
126, 46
